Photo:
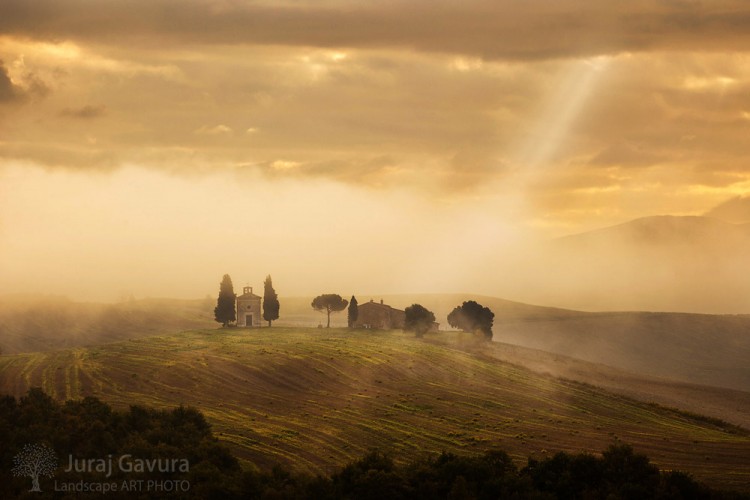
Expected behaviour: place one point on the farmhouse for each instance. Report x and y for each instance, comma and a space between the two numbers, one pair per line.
382, 316
248, 308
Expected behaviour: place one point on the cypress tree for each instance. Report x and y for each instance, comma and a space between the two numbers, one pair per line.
353, 311
225, 311
270, 301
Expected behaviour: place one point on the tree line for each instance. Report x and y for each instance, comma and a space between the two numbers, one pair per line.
470, 316
89, 429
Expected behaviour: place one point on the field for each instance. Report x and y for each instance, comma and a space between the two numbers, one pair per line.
706, 349
693, 348
314, 399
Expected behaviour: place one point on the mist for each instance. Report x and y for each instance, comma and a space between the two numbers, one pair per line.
135, 232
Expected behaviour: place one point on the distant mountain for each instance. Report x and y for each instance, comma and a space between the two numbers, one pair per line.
665, 263
735, 210
665, 230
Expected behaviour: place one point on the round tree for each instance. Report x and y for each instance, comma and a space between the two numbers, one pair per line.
472, 317
418, 319
328, 303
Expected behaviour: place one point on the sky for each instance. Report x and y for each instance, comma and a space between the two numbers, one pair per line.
148, 147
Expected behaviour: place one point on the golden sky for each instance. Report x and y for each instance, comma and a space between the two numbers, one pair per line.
150, 146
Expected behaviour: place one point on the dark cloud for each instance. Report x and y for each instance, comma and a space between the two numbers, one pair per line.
8, 91
487, 28
86, 112
33, 87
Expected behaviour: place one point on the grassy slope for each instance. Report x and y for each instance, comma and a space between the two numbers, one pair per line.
314, 399
697, 348
726, 404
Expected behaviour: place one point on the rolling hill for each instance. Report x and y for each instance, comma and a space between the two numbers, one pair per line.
694, 348
314, 399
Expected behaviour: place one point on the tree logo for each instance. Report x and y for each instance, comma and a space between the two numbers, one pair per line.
33, 461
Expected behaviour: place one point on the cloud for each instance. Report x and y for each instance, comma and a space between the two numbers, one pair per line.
489, 29
86, 112
9, 92
449, 100
469, 167
376, 171
213, 130
628, 154
66, 156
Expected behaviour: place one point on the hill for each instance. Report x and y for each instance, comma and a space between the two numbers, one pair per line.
696, 348
314, 399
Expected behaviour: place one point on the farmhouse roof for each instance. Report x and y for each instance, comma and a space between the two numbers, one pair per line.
379, 304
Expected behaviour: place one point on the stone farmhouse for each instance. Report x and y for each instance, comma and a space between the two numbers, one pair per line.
382, 316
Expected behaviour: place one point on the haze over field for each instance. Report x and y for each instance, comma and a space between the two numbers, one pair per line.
374, 147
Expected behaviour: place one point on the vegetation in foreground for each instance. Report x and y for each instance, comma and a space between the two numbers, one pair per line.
89, 428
